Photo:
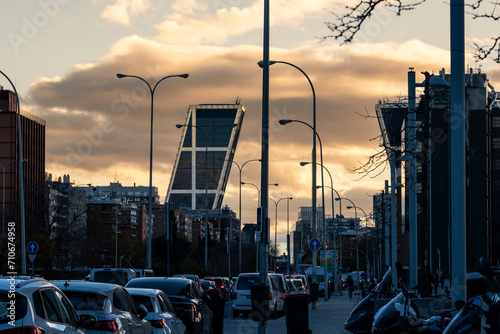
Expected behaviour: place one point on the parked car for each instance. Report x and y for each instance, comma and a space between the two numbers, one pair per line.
185, 297
242, 302
118, 276
144, 272
303, 278
281, 291
192, 277
299, 285
36, 306
110, 304
161, 313
207, 284
222, 284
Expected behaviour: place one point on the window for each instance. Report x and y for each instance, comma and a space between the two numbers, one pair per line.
68, 313
144, 300
20, 304
165, 303
86, 300
46, 306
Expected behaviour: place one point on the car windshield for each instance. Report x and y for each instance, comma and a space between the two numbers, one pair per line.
6, 306
144, 300
86, 300
245, 282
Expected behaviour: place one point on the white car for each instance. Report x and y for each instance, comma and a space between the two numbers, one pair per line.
110, 304
34, 305
242, 302
161, 314
280, 289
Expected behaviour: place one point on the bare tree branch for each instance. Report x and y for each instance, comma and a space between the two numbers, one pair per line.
347, 25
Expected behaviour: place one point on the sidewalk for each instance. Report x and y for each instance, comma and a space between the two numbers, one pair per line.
328, 317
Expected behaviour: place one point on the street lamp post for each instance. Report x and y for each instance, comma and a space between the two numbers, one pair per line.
258, 205
357, 236
265, 66
21, 179
339, 255
240, 169
3, 195
206, 135
276, 225
314, 163
288, 239
152, 91
366, 224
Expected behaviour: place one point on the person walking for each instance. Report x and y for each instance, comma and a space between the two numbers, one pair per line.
350, 286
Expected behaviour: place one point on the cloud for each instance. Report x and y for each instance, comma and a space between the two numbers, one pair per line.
190, 27
122, 11
105, 120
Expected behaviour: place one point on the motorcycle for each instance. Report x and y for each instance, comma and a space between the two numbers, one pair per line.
401, 315
360, 319
472, 317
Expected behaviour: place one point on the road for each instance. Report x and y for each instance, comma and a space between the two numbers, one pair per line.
328, 317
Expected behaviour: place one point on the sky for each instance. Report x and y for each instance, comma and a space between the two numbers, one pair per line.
63, 57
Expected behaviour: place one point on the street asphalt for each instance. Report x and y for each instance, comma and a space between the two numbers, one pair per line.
328, 317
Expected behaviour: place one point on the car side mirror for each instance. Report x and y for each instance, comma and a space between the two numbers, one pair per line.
142, 311
87, 321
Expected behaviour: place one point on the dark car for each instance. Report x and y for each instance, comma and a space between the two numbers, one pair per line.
185, 297
222, 284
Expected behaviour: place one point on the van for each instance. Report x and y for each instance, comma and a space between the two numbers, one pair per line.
119, 276
242, 300
144, 272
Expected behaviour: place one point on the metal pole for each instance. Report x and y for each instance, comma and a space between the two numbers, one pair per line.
152, 91
457, 171
3, 196
21, 179
386, 231
394, 243
168, 239
116, 236
264, 182
288, 240
412, 184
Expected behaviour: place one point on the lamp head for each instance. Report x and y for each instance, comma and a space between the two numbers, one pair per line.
350, 207
285, 121
337, 199
317, 187
178, 126
261, 63
185, 75
290, 198
274, 184
303, 163
119, 75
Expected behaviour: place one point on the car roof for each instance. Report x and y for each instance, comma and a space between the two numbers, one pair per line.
19, 282
144, 291
181, 281
68, 285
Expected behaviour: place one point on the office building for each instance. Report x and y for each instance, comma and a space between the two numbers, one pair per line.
33, 148
208, 143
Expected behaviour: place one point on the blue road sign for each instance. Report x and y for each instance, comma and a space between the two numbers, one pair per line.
314, 245
32, 247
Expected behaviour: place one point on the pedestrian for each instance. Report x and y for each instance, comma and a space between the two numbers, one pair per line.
434, 284
350, 286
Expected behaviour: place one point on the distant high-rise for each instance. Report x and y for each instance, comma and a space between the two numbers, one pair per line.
206, 151
33, 145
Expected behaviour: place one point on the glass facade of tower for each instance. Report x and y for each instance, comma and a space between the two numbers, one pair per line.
206, 152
